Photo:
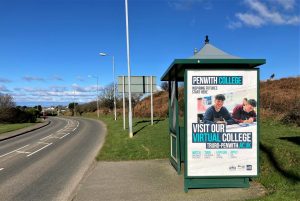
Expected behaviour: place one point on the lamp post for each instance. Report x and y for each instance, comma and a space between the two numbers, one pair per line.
113, 68
129, 71
97, 77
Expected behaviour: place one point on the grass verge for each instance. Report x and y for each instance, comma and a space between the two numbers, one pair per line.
11, 127
279, 152
149, 141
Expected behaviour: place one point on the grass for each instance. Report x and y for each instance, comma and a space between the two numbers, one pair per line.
280, 161
149, 141
11, 127
279, 152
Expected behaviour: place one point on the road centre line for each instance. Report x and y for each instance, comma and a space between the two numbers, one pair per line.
54, 137
39, 150
43, 143
23, 152
64, 136
14, 151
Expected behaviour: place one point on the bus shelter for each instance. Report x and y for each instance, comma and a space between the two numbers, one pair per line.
214, 153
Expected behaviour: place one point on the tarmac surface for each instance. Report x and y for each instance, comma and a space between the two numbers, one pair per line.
150, 180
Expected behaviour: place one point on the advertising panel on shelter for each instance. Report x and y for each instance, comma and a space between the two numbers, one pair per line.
221, 122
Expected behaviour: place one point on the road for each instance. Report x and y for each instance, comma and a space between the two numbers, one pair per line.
47, 164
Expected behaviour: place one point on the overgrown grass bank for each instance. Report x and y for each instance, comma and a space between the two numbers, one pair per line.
11, 127
149, 141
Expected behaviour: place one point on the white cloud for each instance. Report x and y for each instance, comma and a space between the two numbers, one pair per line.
234, 25
250, 19
58, 88
54, 93
92, 88
185, 5
30, 89
57, 78
262, 14
286, 4
4, 80
32, 78
81, 79
3, 89
43, 95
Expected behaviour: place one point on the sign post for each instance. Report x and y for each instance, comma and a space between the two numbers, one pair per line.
139, 84
124, 121
151, 92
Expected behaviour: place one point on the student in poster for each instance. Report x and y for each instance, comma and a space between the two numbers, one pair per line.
245, 113
217, 113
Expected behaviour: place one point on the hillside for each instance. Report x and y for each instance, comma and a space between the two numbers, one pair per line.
280, 99
160, 105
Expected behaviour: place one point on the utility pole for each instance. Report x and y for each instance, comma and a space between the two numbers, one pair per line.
128, 65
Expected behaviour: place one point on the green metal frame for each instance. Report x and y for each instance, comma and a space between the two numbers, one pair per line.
218, 181
174, 163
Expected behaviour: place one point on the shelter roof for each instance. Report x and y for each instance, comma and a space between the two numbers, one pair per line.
209, 57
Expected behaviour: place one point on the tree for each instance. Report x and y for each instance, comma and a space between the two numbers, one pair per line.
72, 107
164, 86
6, 101
6, 106
107, 97
38, 107
135, 99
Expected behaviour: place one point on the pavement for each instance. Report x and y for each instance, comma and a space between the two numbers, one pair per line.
150, 180
12, 134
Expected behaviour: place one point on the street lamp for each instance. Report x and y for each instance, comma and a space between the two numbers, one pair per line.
97, 77
129, 71
113, 68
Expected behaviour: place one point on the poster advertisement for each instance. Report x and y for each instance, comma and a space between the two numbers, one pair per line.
221, 123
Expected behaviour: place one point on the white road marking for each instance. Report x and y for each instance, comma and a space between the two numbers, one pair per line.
23, 152
55, 137
59, 134
64, 136
76, 126
1, 169
71, 126
14, 150
49, 136
39, 150
43, 143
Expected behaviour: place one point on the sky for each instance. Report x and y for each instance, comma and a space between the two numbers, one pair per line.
49, 49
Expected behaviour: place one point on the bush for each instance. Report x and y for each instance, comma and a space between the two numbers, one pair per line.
292, 117
16, 115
